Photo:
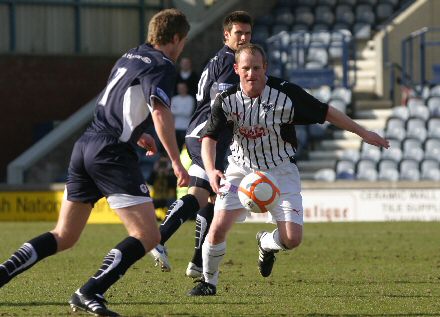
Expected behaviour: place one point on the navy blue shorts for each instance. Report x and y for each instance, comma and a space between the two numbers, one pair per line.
194, 147
100, 166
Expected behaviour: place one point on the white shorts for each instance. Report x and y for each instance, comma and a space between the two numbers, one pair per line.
290, 206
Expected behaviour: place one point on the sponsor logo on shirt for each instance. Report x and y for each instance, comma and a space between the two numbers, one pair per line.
145, 59
224, 86
253, 133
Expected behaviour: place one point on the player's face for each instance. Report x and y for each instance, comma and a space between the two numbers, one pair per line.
252, 72
240, 34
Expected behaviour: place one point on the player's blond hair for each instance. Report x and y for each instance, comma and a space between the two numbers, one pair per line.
251, 49
165, 24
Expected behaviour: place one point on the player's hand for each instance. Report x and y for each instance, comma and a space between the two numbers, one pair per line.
214, 179
181, 174
146, 141
375, 139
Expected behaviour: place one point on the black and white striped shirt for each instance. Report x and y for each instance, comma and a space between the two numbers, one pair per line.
264, 131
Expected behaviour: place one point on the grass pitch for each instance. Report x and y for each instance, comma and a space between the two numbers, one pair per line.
341, 269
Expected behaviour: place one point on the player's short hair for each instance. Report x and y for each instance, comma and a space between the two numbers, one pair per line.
236, 17
165, 24
252, 49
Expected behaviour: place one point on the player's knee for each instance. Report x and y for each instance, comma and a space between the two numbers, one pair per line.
216, 236
65, 240
292, 242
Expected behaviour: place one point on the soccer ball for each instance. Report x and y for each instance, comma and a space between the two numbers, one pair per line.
258, 192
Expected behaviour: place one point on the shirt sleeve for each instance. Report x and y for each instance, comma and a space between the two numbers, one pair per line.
217, 121
159, 84
226, 75
307, 109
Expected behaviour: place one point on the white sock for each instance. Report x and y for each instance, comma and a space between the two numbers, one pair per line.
271, 241
212, 256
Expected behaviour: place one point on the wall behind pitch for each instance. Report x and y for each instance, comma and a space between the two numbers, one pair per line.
39, 89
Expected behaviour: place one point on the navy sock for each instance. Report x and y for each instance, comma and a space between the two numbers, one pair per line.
114, 266
27, 255
180, 211
203, 222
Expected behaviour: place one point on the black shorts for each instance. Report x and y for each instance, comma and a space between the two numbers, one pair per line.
194, 147
100, 166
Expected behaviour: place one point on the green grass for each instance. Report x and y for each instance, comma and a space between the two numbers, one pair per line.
341, 269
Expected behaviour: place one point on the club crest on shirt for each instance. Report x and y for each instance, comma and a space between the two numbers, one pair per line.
267, 106
226, 189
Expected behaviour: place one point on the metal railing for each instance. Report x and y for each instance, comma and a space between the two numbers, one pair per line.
417, 40
78, 5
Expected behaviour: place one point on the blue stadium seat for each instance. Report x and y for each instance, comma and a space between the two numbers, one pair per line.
370, 152
366, 170
350, 155
433, 126
364, 14
435, 91
388, 170
322, 93
362, 30
409, 170
419, 111
434, 106
395, 131
345, 166
325, 175
393, 153
400, 112
432, 149
428, 165
344, 14
413, 149
384, 11
416, 129
311, 78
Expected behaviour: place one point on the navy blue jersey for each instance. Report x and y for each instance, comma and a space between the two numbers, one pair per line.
217, 76
124, 105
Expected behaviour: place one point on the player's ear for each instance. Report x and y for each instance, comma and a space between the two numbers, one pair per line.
176, 39
236, 68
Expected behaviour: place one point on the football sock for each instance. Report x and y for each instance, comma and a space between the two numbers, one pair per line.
27, 255
180, 211
203, 222
271, 241
114, 266
212, 256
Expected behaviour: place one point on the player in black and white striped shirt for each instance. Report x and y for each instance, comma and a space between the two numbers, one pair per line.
262, 112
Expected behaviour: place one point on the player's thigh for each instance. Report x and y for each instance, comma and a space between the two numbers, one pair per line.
290, 233
222, 223
140, 222
71, 222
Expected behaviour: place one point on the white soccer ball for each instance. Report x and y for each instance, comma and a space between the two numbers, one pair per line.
259, 192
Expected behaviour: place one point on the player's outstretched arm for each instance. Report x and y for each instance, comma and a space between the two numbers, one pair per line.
341, 120
164, 124
208, 157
